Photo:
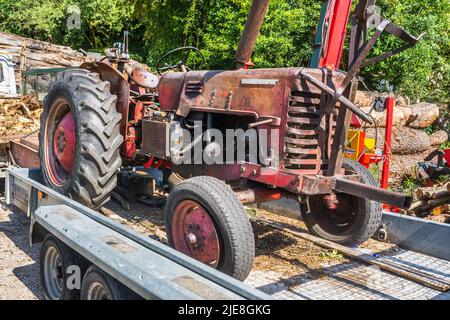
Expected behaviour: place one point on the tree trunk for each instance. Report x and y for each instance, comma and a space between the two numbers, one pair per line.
439, 137
404, 140
424, 114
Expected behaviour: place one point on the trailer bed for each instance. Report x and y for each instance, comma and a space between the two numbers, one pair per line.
342, 279
346, 280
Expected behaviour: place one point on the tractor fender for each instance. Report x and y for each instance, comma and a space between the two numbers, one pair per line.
119, 87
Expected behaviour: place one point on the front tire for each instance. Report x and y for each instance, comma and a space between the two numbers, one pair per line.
205, 220
79, 138
355, 219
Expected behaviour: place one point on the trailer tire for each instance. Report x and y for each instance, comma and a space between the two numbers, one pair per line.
367, 213
80, 137
98, 285
223, 234
55, 259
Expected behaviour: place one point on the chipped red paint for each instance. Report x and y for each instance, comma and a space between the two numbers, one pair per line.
64, 141
195, 233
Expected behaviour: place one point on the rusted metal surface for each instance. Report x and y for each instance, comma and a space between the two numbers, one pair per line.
251, 31
342, 126
257, 195
299, 108
361, 190
195, 233
23, 155
142, 77
169, 90
288, 180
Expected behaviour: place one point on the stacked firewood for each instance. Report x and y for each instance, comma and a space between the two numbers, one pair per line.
410, 143
29, 54
432, 203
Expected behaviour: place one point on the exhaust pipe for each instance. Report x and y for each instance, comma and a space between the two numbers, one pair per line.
250, 34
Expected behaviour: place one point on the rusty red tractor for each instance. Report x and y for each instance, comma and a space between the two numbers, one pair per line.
112, 115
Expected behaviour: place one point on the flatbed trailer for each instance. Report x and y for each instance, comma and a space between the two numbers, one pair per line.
419, 269
150, 269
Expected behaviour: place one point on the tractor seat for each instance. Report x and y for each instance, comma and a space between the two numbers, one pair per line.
143, 78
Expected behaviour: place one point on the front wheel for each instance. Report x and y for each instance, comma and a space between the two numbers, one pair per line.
354, 220
205, 220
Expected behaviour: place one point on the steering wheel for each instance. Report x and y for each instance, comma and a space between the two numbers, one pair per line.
181, 65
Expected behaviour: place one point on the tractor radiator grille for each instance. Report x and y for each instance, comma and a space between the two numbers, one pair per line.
155, 137
309, 133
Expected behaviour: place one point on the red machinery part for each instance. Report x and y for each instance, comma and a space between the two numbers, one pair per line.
195, 233
337, 30
447, 156
389, 103
64, 141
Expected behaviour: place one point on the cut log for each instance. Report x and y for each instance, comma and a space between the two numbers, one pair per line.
440, 194
404, 165
12, 40
404, 140
432, 192
439, 137
430, 204
31, 54
366, 99
424, 114
401, 116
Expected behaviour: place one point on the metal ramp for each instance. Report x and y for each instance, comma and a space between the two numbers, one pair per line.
358, 281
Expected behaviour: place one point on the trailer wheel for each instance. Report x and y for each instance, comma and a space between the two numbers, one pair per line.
353, 221
55, 258
79, 138
98, 285
205, 220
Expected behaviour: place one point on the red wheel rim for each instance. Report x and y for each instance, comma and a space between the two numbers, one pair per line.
60, 142
195, 234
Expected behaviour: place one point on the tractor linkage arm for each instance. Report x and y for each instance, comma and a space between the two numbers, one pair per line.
362, 17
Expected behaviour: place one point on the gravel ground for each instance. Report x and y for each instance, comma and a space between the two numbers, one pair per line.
19, 264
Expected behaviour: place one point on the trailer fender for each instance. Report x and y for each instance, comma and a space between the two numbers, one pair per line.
37, 232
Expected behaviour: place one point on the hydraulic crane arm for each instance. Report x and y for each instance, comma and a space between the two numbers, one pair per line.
332, 31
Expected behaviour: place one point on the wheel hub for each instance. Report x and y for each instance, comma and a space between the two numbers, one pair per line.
64, 142
195, 233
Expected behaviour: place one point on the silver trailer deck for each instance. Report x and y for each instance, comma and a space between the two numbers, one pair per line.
420, 267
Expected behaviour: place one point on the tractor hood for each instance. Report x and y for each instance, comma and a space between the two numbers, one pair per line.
257, 92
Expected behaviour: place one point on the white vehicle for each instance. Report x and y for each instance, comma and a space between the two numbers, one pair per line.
7, 79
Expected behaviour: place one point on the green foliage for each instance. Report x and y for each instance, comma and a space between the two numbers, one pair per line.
374, 170
215, 27
102, 21
408, 184
331, 255
422, 72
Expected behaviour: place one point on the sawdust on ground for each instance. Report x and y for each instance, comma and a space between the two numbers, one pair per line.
19, 116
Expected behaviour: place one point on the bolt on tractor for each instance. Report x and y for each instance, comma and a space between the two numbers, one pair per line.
201, 129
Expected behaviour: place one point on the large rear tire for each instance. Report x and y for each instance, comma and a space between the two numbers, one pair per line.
79, 139
205, 220
354, 220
